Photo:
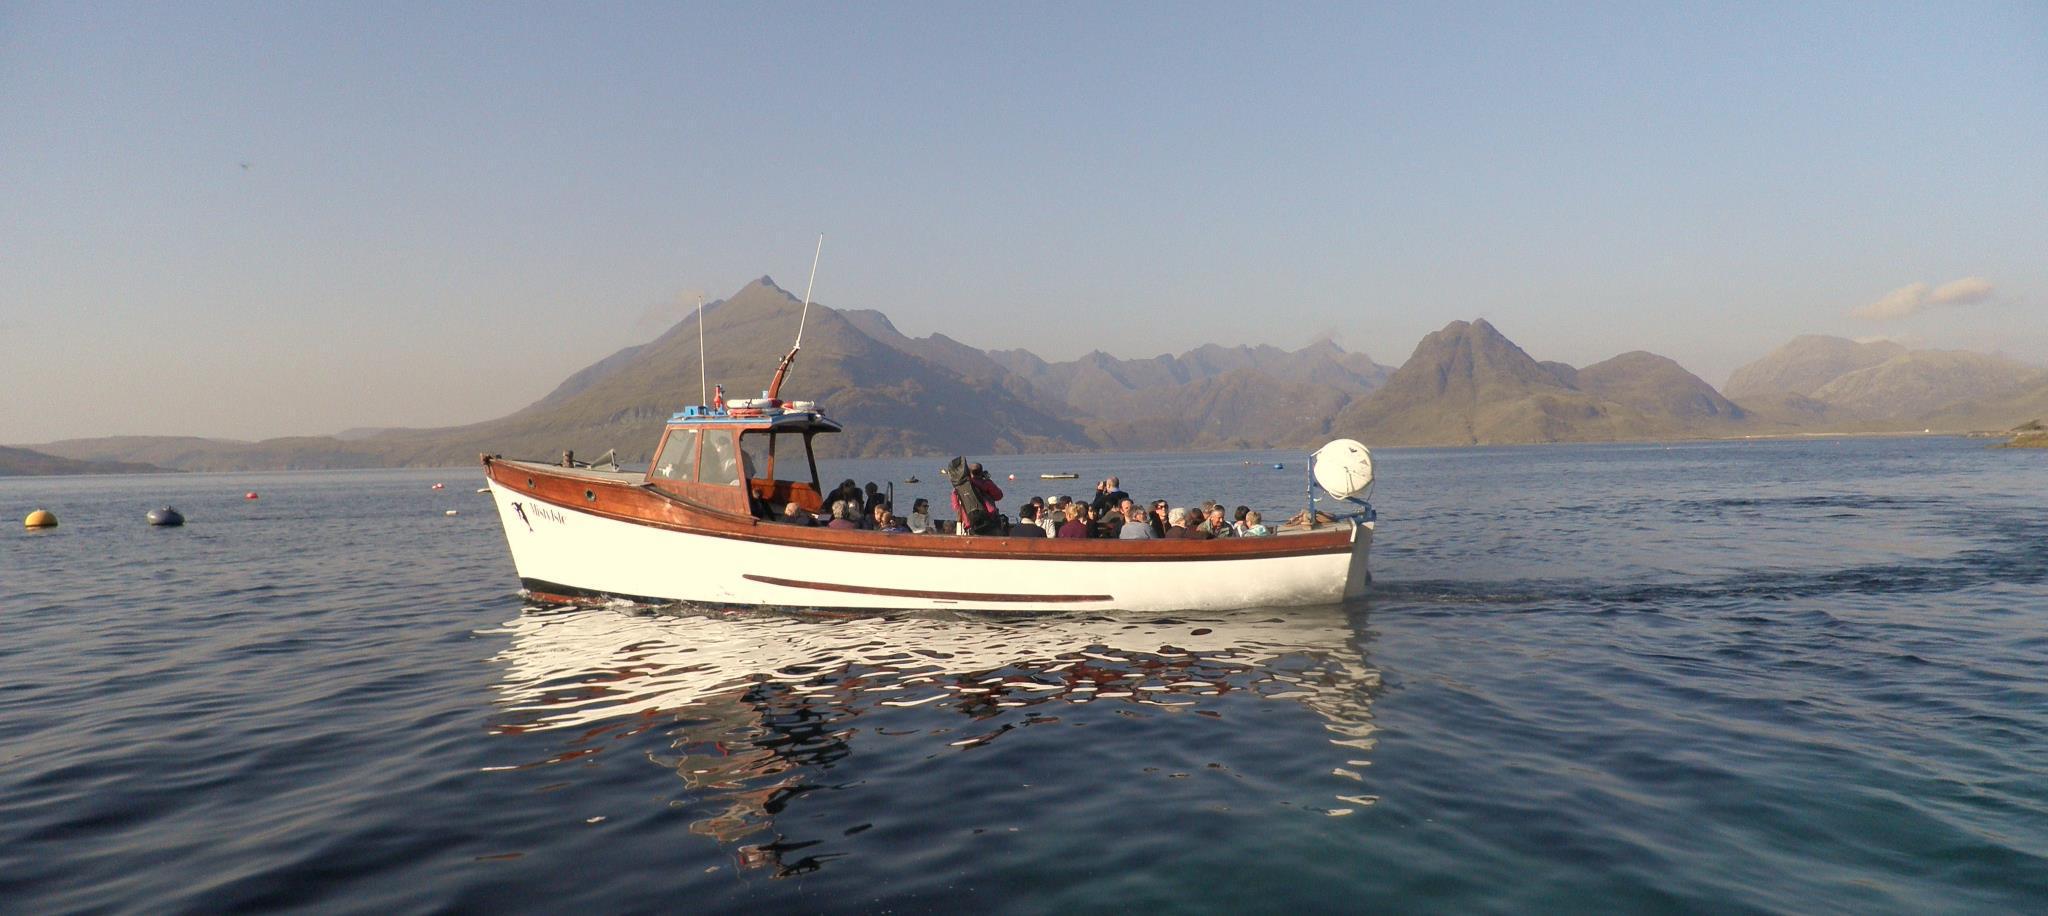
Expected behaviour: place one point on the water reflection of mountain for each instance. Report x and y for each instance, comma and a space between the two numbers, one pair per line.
756, 707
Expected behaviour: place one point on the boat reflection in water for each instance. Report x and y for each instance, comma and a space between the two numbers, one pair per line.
756, 706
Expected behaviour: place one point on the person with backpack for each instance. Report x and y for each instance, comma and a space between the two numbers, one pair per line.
975, 497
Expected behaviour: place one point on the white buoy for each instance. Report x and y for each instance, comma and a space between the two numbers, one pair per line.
449, 512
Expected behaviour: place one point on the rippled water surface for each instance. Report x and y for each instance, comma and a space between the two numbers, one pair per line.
1777, 676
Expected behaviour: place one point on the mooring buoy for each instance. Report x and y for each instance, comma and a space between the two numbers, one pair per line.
249, 495
41, 518
165, 517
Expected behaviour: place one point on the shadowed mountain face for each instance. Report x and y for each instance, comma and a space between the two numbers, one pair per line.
1860, 384
1209, 397
24, 462
891, 401
1804, 365
1468, 384
2026, 404
1655, 385
1920, 382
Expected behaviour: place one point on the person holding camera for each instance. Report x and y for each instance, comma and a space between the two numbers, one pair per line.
1108, 493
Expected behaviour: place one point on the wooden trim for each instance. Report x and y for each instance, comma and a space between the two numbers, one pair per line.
920, 593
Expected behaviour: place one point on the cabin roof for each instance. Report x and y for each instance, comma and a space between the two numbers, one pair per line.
780, 419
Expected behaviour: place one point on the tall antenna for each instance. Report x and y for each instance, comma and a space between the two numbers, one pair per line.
703, 374
782, 371
813, 282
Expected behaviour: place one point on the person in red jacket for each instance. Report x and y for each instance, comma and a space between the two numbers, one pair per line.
969, 477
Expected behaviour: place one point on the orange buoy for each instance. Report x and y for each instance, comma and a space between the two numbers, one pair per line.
41, 518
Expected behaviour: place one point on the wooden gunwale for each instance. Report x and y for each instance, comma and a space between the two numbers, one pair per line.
639, 504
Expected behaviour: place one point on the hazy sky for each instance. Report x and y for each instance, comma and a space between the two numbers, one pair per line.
264, 219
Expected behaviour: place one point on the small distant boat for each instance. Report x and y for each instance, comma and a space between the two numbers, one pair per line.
1058, 476
911, 479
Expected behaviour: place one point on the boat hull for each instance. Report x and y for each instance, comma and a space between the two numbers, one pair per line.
614, 544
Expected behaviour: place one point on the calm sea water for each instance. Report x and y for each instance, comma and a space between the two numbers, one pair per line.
1772, 676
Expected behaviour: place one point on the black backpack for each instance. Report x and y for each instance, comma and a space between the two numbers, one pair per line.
977, 517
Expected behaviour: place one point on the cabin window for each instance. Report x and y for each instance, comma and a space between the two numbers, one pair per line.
758, 455
678, 458
721, 465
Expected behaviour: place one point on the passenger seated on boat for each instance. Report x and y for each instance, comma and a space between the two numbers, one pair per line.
873, 498
757, 506
921, 516
847, 489
1077, 523
1026, 528
1157, 518
1135, 528
1103, 522
1254, 526
844, 516
879, 516
1110, 525
1237, 519
889, 522
1054, 515
796, 515
1180, 525
1216, 526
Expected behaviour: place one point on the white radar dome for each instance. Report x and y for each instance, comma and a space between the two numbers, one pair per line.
1344, 468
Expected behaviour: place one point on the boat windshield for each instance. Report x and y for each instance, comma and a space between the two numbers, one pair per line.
678, 458
779, 455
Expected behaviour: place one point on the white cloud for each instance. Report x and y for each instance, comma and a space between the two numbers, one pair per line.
1915, 297
1961, 292
1896, 304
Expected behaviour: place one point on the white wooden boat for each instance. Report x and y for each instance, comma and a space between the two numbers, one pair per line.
701, 526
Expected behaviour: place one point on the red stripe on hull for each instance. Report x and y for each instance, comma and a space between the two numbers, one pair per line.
919, 593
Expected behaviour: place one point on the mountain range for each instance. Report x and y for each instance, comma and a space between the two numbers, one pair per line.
1466, 384
21, 462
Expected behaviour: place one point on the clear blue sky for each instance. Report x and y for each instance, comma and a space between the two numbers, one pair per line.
447, 208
